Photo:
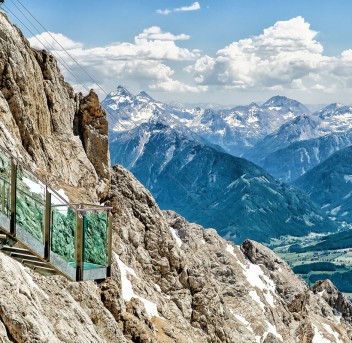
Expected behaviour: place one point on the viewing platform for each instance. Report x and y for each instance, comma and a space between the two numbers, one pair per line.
44, 232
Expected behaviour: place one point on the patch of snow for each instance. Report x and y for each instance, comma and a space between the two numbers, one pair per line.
127, 289
347, 196
318, 337
242, 320
144, 140
256, 277
232, 184
229, 249
272, 329
254, 295
329, 329
335, 210
348, 178
307, 221
157, 287
168, 156
34, 187
176, 236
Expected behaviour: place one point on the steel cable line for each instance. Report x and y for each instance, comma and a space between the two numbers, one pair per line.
105, 108
57, 57
42, 26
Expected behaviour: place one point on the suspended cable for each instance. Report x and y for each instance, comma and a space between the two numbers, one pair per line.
53, 51
94, 81
118, 120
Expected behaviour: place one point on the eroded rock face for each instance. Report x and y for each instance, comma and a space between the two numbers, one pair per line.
37, 111
204, 286
91, 125
334, 298
40, 309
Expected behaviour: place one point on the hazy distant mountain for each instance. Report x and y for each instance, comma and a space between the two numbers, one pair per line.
213, 188
293, 161
236, 130
303, 142
329, 184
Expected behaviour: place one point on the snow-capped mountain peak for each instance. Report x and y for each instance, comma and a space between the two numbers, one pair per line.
144, 95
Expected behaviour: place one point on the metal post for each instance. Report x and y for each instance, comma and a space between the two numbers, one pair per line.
13, 198
109, 245
47, 225
3, 194
79, 246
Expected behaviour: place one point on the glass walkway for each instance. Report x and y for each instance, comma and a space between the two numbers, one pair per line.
39, 228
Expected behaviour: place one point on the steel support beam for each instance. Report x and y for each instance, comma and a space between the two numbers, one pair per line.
79, 246
109, 245
13, 198
47, 225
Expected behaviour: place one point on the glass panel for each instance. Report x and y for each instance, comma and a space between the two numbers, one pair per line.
63, 228
95, 231
5, 185
30, 203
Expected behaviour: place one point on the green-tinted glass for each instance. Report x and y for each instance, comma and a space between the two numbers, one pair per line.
95, 231
30, 204
63, 228
5, 185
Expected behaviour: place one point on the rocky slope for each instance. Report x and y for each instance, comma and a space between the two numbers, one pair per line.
172, 281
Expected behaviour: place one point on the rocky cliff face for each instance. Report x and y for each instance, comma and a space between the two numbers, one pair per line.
38, 108
172, 281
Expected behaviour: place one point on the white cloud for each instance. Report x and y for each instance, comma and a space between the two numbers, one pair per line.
286, 58
286, 55
55, 41
155, 33
194, 7
144, 61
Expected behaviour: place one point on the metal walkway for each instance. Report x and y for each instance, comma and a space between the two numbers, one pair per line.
44, 232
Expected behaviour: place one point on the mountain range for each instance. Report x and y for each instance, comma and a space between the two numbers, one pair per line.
153, 139
211, 187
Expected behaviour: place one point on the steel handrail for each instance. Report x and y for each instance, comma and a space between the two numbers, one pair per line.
29, 169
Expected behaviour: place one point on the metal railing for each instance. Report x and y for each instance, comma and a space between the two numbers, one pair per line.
74, 238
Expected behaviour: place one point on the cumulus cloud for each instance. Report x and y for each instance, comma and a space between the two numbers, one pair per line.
285, 55
54, 41
194, 7
155, 33
145, 60
285, 58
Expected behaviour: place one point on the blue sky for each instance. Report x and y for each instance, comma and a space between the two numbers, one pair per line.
223, 51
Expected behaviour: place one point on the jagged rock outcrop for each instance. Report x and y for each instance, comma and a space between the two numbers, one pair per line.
37, 109
91, 125
334, 298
